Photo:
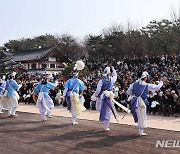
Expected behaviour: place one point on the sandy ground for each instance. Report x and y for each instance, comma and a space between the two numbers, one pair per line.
154, 121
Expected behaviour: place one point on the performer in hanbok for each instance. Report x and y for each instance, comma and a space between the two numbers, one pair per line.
139, 90
103, 96
12, 95
44, 101
2, 90
72, 89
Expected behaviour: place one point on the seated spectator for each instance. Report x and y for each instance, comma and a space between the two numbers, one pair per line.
156, 104
122, 99
58, 98
30, 100
24, 95
150, 99
160, 101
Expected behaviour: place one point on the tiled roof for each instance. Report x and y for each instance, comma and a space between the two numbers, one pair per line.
34, 54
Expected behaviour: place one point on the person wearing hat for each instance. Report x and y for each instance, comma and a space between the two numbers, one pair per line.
72, 89
103, 102
12, 95
139, 90
2, 90
168, 103
175, 96
44, 101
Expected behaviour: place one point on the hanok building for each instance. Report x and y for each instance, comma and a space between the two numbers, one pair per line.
4, 58
7, 64
47, 60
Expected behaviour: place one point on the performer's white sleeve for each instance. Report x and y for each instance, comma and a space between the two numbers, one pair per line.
2, 88
20, 85
130, 90
64, 92
98, 89
114, 76
154, 87
56, 82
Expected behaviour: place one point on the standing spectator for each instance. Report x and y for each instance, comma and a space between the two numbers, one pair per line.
168, 103
87, 96
176, 103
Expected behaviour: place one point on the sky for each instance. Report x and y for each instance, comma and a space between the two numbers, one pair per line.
29, 18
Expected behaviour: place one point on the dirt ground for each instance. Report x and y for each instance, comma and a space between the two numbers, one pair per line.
153, 121
27, 134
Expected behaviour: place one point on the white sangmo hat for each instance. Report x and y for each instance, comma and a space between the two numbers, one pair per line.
107, 71
144, 74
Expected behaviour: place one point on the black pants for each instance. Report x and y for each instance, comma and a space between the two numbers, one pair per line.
177, 109
167, 110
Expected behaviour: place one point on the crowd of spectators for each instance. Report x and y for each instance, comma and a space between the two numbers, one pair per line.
165, 102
